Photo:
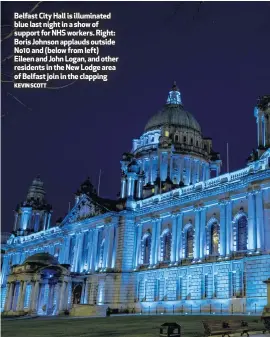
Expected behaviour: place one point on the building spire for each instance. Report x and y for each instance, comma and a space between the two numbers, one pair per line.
174, 96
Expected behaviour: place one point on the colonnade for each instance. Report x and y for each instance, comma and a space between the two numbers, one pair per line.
87, 249
179, 168
228, 223
32, 220
16, 296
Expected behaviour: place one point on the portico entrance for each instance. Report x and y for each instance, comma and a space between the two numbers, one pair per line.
38, 286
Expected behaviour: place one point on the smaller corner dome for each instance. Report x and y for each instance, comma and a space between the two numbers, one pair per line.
42, 258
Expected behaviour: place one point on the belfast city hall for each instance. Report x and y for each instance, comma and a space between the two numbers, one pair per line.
180, 235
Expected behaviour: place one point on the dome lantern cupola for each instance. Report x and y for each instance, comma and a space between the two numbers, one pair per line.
174, 96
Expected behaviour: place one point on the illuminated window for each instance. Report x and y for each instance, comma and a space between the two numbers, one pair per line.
206, 285
189, 242
215, 285
153, 190
233, 284
215, 229
166, 247
166, 133
179, 288
244, 284
242, 233
146, 249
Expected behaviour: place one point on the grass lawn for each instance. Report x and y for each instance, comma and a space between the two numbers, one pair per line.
124, 326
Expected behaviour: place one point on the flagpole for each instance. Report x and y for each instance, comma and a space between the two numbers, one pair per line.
99, 181
227, 157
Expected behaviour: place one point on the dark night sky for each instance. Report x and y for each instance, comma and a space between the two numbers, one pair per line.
219, 57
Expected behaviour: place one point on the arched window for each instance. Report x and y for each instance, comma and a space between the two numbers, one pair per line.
146, 249
197, 143
189, 242
176, 138
184, 139
191, 141
166, 243
214, 235
153, 139
242, 235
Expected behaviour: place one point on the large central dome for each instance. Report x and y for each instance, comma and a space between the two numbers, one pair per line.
173, 114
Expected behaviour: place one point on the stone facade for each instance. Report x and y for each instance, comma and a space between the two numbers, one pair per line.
176, 239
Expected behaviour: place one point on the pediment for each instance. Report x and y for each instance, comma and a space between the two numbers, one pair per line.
84, 209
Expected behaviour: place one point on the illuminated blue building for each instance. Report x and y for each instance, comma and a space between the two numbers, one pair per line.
180, 235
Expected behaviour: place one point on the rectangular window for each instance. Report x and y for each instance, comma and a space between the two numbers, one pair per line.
244, 284
233, 284
206, 285
179, 289
215, 286
157, 291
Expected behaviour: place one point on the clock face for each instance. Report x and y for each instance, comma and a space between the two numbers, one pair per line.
85, 210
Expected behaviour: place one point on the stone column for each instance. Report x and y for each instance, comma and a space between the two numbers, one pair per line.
66, 248
15, 297
86, 290
259, 221
153, 243
78, 252
150, 170
181, 166
94, 250
45, 221
34, 297
123, 187
114, 253
63, 297
197, 233
57, 292
252, 241
229, 242
138, 249
129, 187
260, 130
178, 249
169, 165
222, 231
20, 305
89, 252
110, 247
202, 231
266, 310
157, 241
9, 296
15, 221
106, 246
174, 238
